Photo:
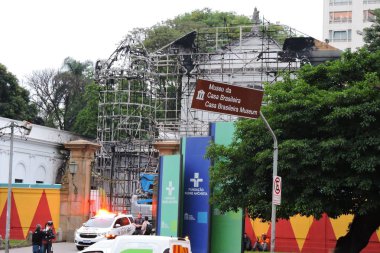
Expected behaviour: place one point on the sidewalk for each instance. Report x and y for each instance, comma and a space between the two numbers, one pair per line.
58, 247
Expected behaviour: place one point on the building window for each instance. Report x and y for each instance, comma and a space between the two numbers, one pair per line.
340, 36
341, 2
39, 182
371, 1
340, 17
368, 16
18, 181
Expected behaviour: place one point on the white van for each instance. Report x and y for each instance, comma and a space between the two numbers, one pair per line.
101, 226
141, 244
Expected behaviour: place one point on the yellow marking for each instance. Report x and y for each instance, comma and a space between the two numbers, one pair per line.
3, 199
26, 201
340, 225
301, 226
54, 201
259, 227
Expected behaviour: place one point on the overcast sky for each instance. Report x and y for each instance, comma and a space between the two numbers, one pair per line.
40, 34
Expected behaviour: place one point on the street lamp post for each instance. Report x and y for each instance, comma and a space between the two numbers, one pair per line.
27, 126
275, 158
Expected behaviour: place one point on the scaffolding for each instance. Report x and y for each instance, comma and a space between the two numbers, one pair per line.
146, 96
248, 56
126, 126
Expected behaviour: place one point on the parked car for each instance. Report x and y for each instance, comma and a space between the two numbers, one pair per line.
141, 243
102, 226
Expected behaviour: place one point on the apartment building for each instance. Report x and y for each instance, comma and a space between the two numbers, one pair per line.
344, 21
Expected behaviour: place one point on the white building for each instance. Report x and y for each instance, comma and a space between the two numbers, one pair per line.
344, 21
37, 157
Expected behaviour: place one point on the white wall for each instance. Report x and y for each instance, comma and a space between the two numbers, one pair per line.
36, 157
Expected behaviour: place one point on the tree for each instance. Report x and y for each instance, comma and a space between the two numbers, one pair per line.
327, 122
87, 118
59, 93
75, 76
372, 33
14, 100
48, 96
78, 69
171, 29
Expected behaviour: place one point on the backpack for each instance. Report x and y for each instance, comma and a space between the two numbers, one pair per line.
149, 228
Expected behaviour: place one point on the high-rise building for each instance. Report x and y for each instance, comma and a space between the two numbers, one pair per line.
344, 21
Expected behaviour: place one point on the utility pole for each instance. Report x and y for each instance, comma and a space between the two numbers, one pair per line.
275, 158
27, 127
9, 198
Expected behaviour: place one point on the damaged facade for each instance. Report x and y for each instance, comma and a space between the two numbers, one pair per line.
146, 96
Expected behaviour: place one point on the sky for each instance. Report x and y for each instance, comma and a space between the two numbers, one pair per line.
39, 34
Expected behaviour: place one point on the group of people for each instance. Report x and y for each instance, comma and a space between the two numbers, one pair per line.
143, 226
261, 244
42, 238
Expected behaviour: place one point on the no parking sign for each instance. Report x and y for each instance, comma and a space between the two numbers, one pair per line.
277, 189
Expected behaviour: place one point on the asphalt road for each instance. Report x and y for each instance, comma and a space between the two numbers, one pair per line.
58, 247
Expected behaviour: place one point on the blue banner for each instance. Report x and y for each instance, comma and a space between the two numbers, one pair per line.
196, 210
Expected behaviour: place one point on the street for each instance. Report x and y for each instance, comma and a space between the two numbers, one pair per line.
59, 247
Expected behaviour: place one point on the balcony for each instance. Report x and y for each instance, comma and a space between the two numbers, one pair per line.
340, 20
342, 2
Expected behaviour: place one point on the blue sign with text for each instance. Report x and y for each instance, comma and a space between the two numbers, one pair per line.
196, 209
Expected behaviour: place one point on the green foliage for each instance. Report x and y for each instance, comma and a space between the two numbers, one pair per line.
14, 100
59, 95
75, 76
159, 36
372, 33
276, 32
16, 244
162, 34
86, 120
207, 18
327, 123
77, 69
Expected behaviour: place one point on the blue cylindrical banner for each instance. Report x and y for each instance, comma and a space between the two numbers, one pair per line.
196, 208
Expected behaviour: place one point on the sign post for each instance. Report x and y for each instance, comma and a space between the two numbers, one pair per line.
227, 99
277, 184
275, 158
242, 102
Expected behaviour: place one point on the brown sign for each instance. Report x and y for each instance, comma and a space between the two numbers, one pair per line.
227, 99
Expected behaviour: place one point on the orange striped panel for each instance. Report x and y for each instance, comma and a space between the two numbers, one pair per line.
180, 249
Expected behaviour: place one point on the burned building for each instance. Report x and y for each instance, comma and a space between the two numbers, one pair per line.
146, 96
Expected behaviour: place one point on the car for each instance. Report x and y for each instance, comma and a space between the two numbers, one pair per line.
102, 226
141, 243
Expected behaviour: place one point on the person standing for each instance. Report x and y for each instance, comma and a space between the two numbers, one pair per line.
37, 239
47, 238
138, 224
247, 245
146, 227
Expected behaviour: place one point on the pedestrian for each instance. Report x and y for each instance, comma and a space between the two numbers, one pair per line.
146, 228
47, 238
138, 224
247, 245
262, 244
37, 239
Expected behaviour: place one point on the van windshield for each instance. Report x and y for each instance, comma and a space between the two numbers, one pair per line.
99, 222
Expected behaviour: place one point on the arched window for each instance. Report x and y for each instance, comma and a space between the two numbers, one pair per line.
40, 175
19, 173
